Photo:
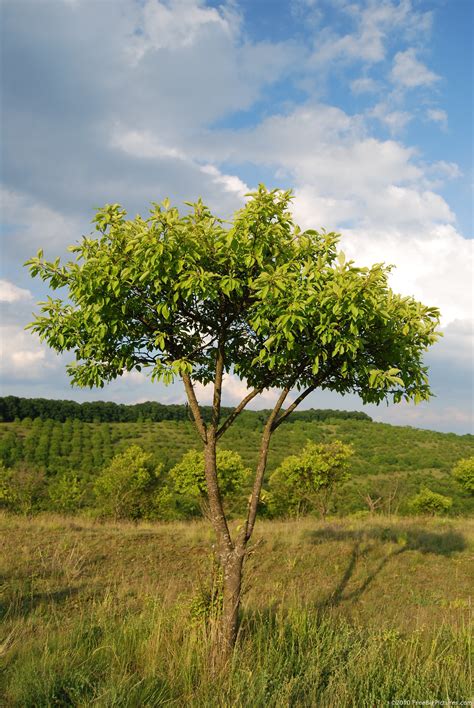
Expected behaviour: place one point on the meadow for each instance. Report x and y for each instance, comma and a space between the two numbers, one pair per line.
360, 609
351, 612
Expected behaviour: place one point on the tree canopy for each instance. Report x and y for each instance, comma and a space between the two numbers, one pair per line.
281, 305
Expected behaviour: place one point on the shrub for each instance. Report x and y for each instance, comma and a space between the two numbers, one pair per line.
125, 486
307, 481
22, 490
463, 472
66, 493
429, 502
189, 481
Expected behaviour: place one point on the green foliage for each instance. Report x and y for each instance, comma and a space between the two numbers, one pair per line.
389, 461
22, 490
463, 472
14, 407
66, 493
187, 477
428, 502
305, 481
124, 488
283, 306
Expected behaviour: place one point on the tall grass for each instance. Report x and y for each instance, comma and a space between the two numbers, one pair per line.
349, 613
296, 658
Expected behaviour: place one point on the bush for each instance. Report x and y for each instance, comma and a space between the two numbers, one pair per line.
429, 502
308, 481
66, 493
125, 487
463, 472
22, 490
188, 479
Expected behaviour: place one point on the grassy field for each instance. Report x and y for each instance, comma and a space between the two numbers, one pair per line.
346, 613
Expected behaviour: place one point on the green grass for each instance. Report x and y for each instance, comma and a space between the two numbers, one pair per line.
347, 613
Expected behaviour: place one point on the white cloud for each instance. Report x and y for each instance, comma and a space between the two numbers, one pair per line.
408, 72
435, 265
12, 293
425, 416
35, 225
178, 24
437, 115
143, 144
230, 183
393, 119
129, 115
233, 391
363, 85
375, 24
23, 356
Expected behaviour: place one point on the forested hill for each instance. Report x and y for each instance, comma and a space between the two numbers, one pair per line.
15, 408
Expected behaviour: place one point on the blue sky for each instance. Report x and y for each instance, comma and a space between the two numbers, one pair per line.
363, 108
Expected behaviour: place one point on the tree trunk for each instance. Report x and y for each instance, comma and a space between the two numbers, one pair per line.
232, 584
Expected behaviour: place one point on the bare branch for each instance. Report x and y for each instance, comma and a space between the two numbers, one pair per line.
228, 422
216, 398
291, 408
261, 466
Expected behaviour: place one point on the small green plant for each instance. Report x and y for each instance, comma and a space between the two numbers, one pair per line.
429, 502
189, 480
307, 481
66, 493
125, 487
463, 472
22, 490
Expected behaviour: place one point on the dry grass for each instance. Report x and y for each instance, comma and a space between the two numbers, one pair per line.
116, 597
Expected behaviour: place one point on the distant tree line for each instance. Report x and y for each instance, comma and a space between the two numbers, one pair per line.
15, 408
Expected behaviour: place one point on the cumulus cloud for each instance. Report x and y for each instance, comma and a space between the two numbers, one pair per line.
12, 293
33, 224
409, 72
23, 356
363, 85
434, 266
177, 24
395, 120
373, 25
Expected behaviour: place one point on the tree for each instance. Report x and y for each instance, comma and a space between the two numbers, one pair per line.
429, 502
193, 297
66, 492
125, 487
309, 480
463, 472
189, 478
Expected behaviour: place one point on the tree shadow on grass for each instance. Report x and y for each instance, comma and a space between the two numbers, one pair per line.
365, 541
25, 604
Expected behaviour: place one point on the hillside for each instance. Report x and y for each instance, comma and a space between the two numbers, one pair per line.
389, 461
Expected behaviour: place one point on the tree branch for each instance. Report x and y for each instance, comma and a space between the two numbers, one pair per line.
261, 466
194, 405
216, 398
228, 422
291, 408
